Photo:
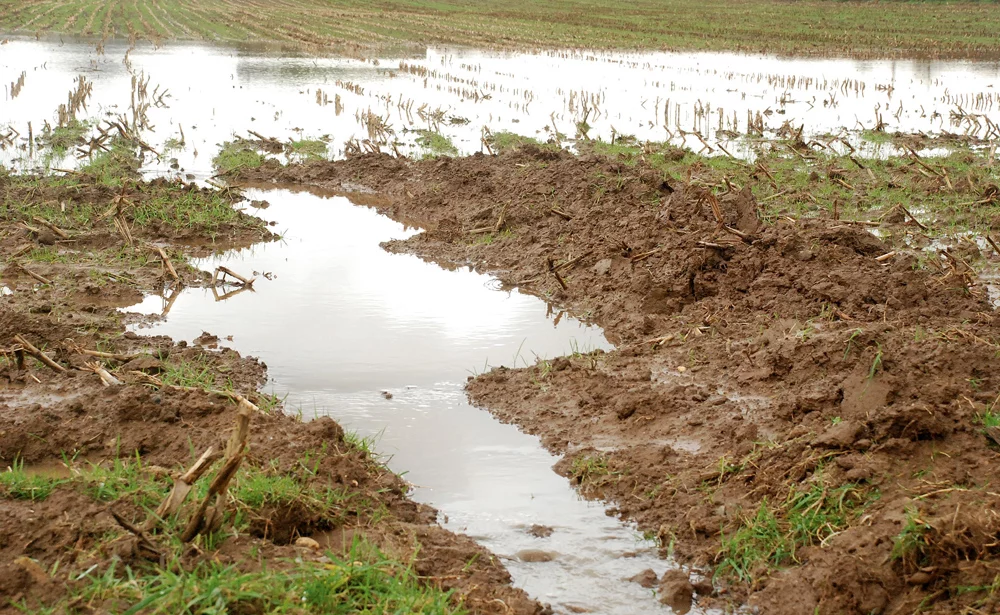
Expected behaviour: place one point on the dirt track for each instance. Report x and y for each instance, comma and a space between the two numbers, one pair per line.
784, 406
48, 417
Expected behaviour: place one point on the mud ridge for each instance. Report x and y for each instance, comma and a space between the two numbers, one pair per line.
787, 407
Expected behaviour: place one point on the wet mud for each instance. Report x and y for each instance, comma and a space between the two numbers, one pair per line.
788, 408
162, 413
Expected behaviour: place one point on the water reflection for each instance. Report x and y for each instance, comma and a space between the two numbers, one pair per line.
693, 99
384, 343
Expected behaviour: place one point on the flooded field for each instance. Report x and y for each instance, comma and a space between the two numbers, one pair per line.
794, 259
198, 96
383, 343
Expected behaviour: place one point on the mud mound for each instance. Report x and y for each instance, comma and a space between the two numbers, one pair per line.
790, 404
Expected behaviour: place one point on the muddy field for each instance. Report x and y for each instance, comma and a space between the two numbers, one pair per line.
98, 425
797, 408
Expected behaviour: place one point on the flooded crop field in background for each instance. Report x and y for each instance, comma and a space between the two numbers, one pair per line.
744, 303
201, 95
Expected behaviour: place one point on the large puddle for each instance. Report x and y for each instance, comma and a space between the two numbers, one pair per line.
384, 343
692, 99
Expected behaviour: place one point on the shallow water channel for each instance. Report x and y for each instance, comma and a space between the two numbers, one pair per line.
340, 321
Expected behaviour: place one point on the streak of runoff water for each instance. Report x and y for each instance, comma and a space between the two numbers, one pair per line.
341, 322
216, 91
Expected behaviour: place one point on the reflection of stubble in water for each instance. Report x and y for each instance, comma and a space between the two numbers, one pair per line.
696, 100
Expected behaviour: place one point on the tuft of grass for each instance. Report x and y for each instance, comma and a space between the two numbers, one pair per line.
989, 419
504, 140
123, 478
586, 468
309, 149
115, 167
910, 542
770, 537
24, 485
362, 580
436, 144
61, 138
235, 156
183, 372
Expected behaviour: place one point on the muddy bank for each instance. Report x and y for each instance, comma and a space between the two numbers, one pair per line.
796, 405
308, 506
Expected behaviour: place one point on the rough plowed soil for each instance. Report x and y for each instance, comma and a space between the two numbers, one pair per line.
775, 386
50, 417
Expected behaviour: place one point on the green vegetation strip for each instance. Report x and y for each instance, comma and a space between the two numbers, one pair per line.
360, 580
857, 29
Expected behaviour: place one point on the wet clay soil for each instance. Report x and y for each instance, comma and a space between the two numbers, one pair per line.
45, 414
753, 365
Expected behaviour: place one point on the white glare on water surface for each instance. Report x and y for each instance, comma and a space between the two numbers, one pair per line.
692, 99
384, 343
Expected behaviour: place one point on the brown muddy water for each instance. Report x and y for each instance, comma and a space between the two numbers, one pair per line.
692, 99
383, 343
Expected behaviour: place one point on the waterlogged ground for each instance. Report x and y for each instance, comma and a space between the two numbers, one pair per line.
383, 343
693, 99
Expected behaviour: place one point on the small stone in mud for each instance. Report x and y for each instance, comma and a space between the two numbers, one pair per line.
144, 363
603, 266
35, 572
207, 339
704, 587
260, 204
676, 591
387, 394
307, 543
647, 578
841, 435
534, 556
540, 531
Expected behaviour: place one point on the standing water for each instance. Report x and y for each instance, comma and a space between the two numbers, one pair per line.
695, 100
383, 343
339, 321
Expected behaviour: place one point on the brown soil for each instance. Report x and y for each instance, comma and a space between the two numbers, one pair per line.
752, 366
45, 414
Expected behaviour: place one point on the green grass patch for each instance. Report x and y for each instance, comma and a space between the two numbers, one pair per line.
587, 468
876, 136
768, 539
115, 167
309, 149
236, 156
22, 484
60, 139
911, 540
123, 479
435, 143
504, 140
184, 372
989, 418
364, 580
